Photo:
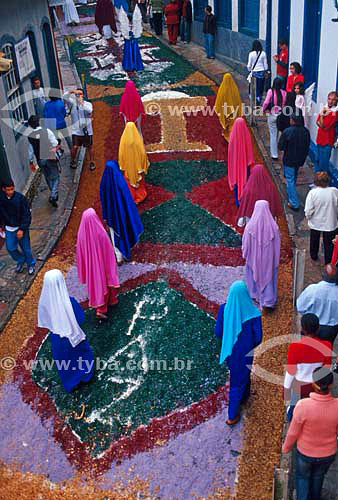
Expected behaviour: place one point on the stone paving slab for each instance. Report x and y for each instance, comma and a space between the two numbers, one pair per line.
47, 222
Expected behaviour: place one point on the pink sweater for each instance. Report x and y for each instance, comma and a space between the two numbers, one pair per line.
314, 426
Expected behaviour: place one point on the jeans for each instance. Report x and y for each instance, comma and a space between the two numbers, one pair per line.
12, 243
209, 45
50, 170
185, 30
272, 124
259, 75
290, 174
328, 236
323, 158
310, 473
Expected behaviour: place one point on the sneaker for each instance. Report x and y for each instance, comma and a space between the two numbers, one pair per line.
19, 268
73, 164
92, 166
31, 270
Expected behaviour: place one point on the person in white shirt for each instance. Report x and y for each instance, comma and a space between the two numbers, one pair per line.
70, 12
39, 98
321, 299
321, 211
257, 65
42, 148
82, 128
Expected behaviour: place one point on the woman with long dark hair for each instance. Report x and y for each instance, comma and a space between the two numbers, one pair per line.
257, 65
274, 102
295, 76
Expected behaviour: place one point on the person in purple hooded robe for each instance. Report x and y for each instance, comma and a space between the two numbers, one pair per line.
261, 251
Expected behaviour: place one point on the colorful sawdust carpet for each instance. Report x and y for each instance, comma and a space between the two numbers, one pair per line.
163, 420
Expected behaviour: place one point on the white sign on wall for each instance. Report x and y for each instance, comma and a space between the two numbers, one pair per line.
24, 58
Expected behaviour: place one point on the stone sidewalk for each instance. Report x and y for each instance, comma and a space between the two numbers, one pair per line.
47, 222
298, 228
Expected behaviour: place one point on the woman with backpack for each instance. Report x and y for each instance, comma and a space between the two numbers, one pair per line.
257, 65
274, 102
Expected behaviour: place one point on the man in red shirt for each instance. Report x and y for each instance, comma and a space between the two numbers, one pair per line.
326, 136
304, 356
282, 61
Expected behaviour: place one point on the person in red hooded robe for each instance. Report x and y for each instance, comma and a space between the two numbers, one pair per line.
259, 186
171, 12
105, 19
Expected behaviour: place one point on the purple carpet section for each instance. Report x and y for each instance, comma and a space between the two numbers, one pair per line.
192, 465
211, 281
84, 29
24, 439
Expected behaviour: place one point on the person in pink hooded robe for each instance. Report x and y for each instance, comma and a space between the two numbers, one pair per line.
261, 251
240, 157
131, 106
96, 263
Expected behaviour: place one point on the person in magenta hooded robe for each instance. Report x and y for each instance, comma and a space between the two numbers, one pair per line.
261, 251
240, 157
96, 263
131, 106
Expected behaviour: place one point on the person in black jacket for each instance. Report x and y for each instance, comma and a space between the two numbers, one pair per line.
295, 142
209, 30
186, 21
15, 218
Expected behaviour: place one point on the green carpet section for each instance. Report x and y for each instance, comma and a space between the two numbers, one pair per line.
151, 327
179, 221
164, 66
86, 10
182, 176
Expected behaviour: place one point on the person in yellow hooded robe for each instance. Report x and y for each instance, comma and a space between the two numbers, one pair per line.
133, 161
228, 104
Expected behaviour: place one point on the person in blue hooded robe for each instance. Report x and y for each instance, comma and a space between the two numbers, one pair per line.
131, 28
120, 211
239, 325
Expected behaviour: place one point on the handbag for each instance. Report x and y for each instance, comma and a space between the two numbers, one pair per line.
249, 77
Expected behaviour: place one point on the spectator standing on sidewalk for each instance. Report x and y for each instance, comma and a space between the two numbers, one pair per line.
186, 21
143, 8
304, 356
295, 76
321, 211
157, 8
274, 102
209, 30
82, 128
282, 60
321, 299
257, 65
54, 114
295, 142
326, 136
39, 98
314, 428
15, 218
43, 147
172, 19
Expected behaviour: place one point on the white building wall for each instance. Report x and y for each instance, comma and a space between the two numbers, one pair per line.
296, 31
274, 36
263, 19
234, 15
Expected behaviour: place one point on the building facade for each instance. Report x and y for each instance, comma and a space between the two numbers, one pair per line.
26, 37
308, 27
